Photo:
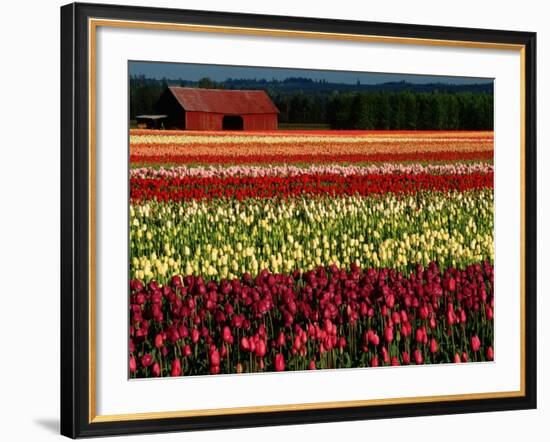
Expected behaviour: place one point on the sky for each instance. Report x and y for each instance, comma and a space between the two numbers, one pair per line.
194, 72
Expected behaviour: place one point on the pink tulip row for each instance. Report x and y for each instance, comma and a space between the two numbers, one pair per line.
292, 170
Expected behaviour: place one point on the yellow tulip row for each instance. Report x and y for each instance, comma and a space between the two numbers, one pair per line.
226, 238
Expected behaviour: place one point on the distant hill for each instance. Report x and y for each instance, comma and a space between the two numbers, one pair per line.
305, 85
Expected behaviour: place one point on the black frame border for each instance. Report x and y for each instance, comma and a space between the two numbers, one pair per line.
75, 220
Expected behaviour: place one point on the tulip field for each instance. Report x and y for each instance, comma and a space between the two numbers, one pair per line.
303, 250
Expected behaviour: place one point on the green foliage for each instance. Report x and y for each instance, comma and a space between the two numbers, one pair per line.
207, 83
407, 110
144, 95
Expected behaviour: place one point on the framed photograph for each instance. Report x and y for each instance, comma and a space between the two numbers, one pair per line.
274, 220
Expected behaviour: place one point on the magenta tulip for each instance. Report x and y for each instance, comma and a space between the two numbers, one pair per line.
176, 368
156, 369
374, 361
279, 362
159, 341
146, 360
245, 345
227, 336
475, 343
388, 334
214, 357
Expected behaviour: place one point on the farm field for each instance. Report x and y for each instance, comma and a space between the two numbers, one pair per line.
302, 250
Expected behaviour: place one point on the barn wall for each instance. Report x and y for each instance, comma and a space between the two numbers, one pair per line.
260, 122
168, 105
210, 121
203, 121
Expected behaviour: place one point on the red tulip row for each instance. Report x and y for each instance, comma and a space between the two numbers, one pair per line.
324, 318
428, 157
240, 187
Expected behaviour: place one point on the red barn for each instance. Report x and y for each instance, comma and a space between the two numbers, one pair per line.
217, 109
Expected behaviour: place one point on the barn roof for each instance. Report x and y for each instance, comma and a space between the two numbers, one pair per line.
222, 101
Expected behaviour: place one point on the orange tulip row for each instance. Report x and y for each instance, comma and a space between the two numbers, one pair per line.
282, 146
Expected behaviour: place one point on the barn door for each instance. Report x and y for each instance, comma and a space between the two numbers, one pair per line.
232, 122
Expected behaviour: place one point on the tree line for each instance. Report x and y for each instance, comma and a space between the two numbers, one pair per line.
388, 110
411, 111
